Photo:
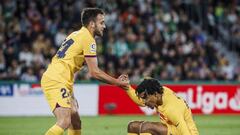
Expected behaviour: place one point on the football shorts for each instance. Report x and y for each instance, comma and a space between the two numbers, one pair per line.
56, 93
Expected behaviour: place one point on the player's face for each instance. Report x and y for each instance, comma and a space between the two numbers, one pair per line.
151, 101
99, 25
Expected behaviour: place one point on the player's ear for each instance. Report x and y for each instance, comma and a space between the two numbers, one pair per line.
92, 24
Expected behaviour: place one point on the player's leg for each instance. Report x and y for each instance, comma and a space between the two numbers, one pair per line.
58, 97
63, 116
75, 126
153, 128
134, 127
146, 128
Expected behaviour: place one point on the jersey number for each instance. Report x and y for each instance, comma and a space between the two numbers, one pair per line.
64, 93
65, 45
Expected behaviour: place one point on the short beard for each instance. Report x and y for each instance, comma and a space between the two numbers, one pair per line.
97, 33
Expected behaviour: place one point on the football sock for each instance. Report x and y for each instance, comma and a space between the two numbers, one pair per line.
55, 130
74, 132
131, 134
145, 134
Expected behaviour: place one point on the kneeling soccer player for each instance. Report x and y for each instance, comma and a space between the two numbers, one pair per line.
175, 115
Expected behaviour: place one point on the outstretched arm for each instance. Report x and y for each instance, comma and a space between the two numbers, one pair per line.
102, 76
131, 93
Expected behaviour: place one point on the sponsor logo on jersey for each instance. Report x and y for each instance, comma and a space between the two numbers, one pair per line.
93, 48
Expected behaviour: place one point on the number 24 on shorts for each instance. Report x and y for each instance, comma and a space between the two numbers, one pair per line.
65, 93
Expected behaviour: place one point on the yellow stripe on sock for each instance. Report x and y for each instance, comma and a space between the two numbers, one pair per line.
74, 132
55, 130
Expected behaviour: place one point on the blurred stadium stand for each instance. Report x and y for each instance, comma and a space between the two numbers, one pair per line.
166, 39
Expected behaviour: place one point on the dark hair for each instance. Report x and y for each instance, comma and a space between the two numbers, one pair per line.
90, 14
150, 87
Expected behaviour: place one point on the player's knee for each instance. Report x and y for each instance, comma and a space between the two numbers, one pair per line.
162, 130
153, 128
146, 127
63, 117
64, 122
133, 126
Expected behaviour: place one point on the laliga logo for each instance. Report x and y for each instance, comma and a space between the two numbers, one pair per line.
206, 101
234, 102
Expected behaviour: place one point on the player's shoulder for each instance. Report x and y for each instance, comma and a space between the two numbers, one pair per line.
167, 90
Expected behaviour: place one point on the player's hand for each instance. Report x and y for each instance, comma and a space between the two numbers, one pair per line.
123, 78
124, 82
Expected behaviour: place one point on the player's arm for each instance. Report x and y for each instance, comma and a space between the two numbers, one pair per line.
190, 122
98, 74
132, 94
90, 53
178, 120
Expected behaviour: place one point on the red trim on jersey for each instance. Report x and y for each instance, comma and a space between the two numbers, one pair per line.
90, 55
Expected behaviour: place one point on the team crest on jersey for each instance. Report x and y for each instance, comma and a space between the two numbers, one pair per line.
93, 48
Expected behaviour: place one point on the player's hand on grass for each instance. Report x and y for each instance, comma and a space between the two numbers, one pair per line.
124, 82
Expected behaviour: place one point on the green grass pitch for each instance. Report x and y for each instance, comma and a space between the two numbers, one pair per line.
115, 125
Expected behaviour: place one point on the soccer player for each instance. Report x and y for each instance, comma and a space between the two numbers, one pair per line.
175, 115
57, 81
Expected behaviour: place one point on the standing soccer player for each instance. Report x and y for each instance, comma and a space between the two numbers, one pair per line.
175, 115
57, 81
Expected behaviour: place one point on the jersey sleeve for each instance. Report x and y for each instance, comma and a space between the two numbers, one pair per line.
131, 93
90, 48
190, 122
178, 120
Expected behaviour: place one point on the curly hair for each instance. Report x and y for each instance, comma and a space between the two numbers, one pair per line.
150, 86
